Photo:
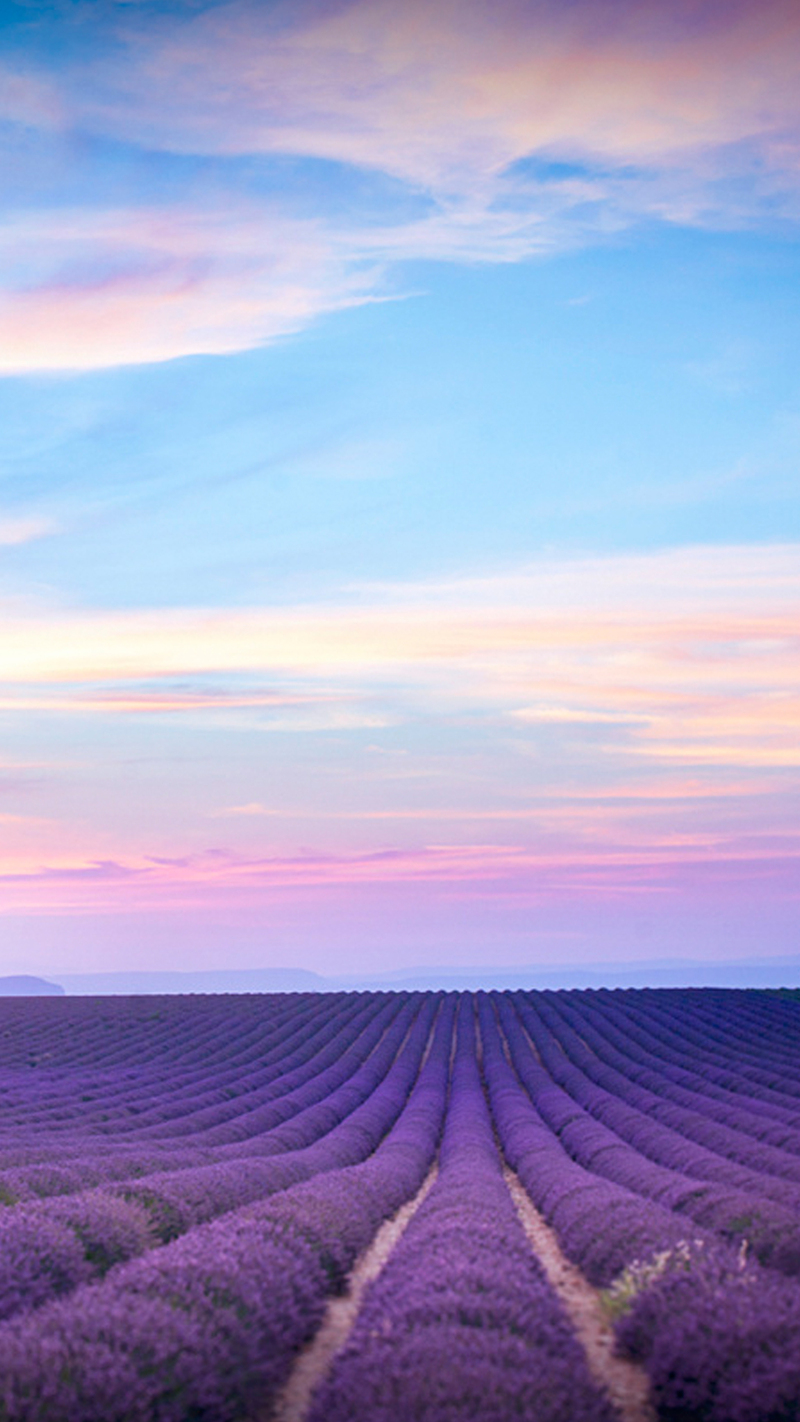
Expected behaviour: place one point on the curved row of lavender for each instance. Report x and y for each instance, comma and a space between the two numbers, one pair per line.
462, 1321
186, 1181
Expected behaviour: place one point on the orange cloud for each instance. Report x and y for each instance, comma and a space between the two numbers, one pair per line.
688, 655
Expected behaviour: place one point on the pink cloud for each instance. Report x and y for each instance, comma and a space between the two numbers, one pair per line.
157, 701
441, 91
628, 712
658, 105
15, 531
29, 99
103, 288
146, 883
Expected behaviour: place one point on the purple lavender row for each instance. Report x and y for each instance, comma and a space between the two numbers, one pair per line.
253, 1115
21, 1183
47, 1249
718, 1335
352, 1031
88, 1169
679, 1135
179, 1201
614, 1038
601, 1226
462, 1323
747, 1042
702, 1186
727, 1155
650, 1035
125, 1116
73, 1032
755, 1110
761, 1028
121, 1114
73, 1235
289, 1063
87, 1094
751, 1109
189, 1034
207, 1328
291, 1121
739, 1051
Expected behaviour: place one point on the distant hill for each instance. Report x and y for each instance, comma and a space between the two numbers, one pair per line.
783, 972
26, 986
210, 980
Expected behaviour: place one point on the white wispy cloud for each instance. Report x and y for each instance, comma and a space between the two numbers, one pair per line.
689, 114
446, 93
99, 288
685, 655
14, 531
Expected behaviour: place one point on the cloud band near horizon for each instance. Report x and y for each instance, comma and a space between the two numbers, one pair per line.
663, 692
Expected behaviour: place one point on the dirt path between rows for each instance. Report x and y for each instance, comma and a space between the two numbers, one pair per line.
313, 1362
625, 1383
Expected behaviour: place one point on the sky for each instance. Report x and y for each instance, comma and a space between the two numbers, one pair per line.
399, 508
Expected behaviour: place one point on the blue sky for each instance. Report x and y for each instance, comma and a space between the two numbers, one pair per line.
399, 426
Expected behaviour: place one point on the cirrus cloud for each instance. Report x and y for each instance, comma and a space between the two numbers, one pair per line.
511, 132
443, 92
686, 656
103, 288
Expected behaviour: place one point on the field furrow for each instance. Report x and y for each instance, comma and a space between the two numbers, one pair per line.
310, 1208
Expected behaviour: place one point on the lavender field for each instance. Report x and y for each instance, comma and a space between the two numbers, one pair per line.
566, 1205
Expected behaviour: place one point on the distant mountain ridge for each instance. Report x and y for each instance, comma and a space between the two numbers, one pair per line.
205, 981
23, 985
678, 972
